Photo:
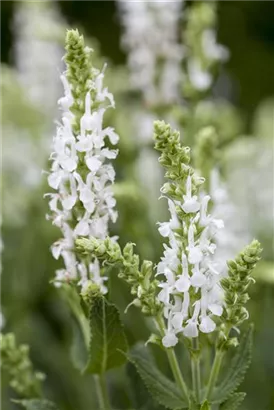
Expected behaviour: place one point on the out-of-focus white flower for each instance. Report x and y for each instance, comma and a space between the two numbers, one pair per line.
38, 27
236, 234
211, 48
199, 78
154, 54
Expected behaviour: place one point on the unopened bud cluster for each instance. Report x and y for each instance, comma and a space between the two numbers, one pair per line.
16, 362
237, 282
143, 286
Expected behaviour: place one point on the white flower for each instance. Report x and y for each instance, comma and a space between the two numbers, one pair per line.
170, 339
83, 203
191, 329
200, 79
190, 268
211, 49
191, 204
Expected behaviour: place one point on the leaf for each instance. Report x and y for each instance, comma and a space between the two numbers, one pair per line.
138, 393
233, 402
205, 406
36, 404
107, 339
163, 390
237, 369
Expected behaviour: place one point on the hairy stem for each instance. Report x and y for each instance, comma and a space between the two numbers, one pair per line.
195, 369
102, 394
173, 362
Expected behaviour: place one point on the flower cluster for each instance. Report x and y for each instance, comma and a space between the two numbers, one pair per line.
83, 202
154, 53
191, 292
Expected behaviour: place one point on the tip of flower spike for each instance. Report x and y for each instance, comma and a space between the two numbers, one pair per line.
72, 36
161, 128
254, 249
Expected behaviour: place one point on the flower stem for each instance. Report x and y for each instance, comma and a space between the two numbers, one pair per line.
195, 369
174, 363
102, 394
214, 373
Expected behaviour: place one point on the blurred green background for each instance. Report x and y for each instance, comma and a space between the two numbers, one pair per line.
33, 308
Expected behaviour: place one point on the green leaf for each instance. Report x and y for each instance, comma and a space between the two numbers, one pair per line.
233, 402
235, 373
205, 406
163, 390
138, 393
107, 339
36, 404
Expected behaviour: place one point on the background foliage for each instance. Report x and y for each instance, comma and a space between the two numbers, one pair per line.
34, 309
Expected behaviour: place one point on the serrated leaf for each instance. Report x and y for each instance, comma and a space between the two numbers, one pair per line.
107, 339
36, 404
235, 373
163, 390
138, 393
233, 402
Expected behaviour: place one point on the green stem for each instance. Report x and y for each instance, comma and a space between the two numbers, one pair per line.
102, 394
214, 373
216, 365
195, 369
174, 363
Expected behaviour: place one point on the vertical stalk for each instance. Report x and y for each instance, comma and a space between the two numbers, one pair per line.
174, 363
216, 365
195, 369
102, 394
214, 373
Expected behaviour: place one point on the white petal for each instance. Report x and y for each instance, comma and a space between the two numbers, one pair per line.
93, 164
177, 320
164, 229
163, 296
191, 206
68, 164
109, 153
191, 329
182, 284
216, 309
89, 206
198, 279
86, 195
54, 179
56, 250
169, 340
69, 202
82, 228
113, 137
207, 325
195, 255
